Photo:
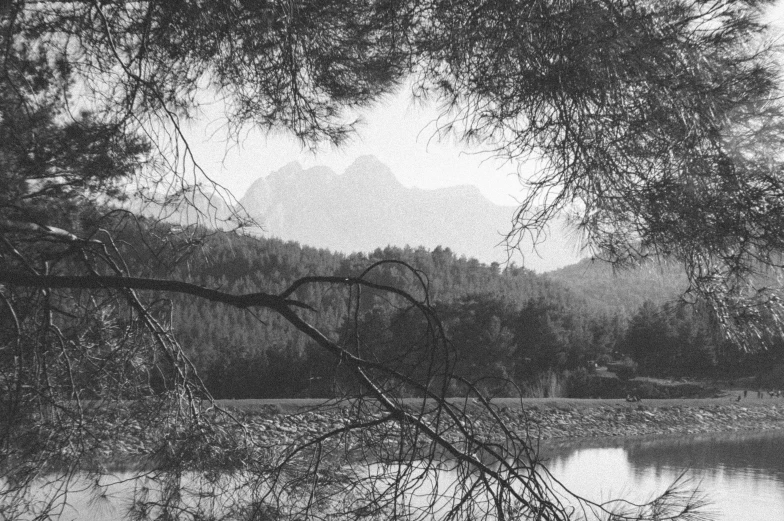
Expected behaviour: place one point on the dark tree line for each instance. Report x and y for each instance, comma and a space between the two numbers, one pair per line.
506, 326
681, 340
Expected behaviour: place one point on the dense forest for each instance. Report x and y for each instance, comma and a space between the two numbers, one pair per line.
487, 311
507, 326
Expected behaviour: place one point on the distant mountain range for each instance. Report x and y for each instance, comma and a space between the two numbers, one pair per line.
366, 207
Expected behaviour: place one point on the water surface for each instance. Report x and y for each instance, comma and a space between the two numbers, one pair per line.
742, 474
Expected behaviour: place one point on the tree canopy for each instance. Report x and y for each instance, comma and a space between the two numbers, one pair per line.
659, 125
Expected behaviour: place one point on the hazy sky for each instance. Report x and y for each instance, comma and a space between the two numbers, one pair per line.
397, 130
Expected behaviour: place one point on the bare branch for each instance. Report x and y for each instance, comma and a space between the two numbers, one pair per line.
164, 285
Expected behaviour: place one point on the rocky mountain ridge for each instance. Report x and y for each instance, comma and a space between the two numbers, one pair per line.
366, 207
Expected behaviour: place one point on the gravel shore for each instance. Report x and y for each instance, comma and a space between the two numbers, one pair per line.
272, 424
650, 418
552, 419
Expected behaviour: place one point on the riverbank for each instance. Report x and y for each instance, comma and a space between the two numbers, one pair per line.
274, 423
673, 417
550, 419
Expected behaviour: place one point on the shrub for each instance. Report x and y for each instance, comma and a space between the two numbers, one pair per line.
625, 371
649, 390
545, 385
771, 378
603, 360
578, 383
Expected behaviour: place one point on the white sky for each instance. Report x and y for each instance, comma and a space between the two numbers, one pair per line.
398, 131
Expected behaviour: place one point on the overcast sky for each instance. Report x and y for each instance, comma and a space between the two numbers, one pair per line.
398, 131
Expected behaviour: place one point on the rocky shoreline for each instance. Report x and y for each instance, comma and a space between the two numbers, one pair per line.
268, 425
555, 421
634, 419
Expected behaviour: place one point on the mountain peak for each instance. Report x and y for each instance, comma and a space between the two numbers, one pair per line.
369, 169
286, 172
368, 161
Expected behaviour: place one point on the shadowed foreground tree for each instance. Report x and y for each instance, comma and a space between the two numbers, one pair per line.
659, 125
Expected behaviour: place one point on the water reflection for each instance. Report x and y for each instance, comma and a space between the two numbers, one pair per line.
741, 474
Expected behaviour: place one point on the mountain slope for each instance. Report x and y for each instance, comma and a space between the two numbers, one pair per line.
366, 208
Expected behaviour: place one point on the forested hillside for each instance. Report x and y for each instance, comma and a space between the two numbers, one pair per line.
503, 322
507, 325
623, 290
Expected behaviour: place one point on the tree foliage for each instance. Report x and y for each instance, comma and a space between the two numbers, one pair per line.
659, 124
488, 315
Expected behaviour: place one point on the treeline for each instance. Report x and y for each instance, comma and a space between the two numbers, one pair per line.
678, 340
506, 325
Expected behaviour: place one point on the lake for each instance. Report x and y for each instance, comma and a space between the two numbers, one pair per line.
742, 474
